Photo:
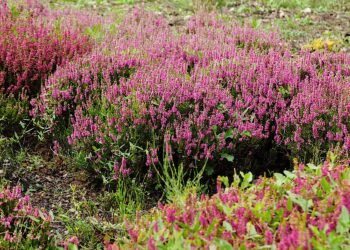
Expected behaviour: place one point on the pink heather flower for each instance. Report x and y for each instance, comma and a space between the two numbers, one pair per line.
218, 185
74, 240
203, 220
268, 237
301, 167
170, 215
132, 233
347, 143
116, 171
109, 246
299, 184
56, 147
8, 237
155, 227
149, 174
125, 171
161, 206
168, 147
152, 244
325, 169
227, 235
26, 199
149, 159
289, 239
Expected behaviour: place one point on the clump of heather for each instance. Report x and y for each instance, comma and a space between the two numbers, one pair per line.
304, 209
318, 110
200, 91
33, 43
21, 224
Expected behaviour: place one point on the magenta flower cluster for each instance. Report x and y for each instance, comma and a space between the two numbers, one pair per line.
21, 222
204, 88
34, 41
304, 209
25, 226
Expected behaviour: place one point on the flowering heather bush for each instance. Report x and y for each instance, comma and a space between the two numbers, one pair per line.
21, 225
304, 209
203, 89
33, 43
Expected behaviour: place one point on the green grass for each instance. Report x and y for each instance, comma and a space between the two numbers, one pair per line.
301, 4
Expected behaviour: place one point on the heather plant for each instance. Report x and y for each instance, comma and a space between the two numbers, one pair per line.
305, 208
206, 97
21, 225
32, 45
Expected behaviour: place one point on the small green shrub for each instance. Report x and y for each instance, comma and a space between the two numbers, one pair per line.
13, 114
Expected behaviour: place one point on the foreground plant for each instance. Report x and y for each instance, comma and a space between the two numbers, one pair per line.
22, 225
304, 209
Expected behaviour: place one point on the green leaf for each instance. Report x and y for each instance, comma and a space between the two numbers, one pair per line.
227, 226
211, 227
224, 180
224, 208
279, 213
236, 180
251, 230
284, 91
229, 134
228, 157
280, 179
312, 166
247, 133
242, 247
303, 203
256, 23
209, 170
325, 185
345, 175
343, 221
15, 13
289, 204
34, 219
247, 178
337, 242
223, 244
197, 224
332, 156
289, 174
267, 216
72, 247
